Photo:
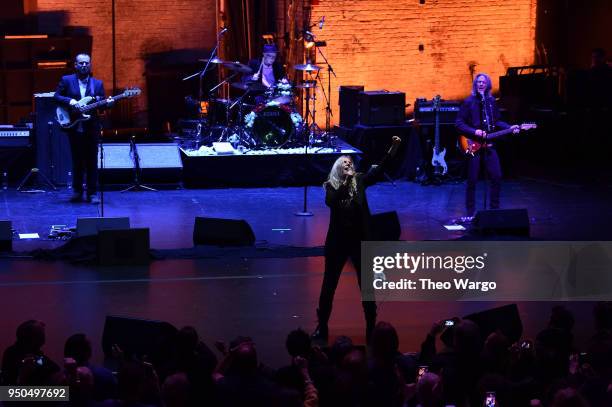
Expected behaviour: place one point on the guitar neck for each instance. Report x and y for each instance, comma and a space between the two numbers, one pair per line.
102, 102
500, 133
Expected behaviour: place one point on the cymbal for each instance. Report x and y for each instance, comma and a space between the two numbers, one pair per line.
215, 60
307, 67
252, 86
237, 67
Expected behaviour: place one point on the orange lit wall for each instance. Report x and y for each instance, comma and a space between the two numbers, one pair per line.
375, 43
142, 27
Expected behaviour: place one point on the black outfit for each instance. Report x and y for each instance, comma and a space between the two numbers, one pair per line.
257, 97
83, 137
483, 114
349, 224
277, 68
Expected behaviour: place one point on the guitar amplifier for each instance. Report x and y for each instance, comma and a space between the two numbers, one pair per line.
424, 112
382, 108
348, 100
14, 136
52, 146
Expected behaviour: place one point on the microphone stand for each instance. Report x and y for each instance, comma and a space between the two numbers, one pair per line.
485, 152
201, 73
327, 95
136, 186
100, 183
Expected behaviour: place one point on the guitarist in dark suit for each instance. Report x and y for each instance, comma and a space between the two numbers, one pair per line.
83, 136
477, 117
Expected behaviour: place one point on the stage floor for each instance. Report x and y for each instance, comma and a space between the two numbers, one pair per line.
264, 297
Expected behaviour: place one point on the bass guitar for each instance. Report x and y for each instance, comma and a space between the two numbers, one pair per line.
469, 146
437, 159
68, 118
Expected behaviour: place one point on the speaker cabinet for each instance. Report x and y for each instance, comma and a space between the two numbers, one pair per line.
6, 236
53, 157
385, 226
91, 226
381, 108
124, 247
159, 163
222, 232
349, 105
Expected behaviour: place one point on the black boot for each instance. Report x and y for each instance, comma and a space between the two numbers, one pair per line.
321, 333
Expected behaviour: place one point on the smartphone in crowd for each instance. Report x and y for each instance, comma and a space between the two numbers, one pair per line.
449, 322
490, 399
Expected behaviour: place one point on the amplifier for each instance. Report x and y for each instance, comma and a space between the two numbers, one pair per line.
424, 112
382, 108
14, 136
348, 100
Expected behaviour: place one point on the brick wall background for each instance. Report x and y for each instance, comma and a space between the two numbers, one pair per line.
376, 43
370, 42
142, 27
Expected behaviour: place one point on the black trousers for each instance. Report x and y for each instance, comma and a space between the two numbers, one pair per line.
493, 169
84, 150
335, 259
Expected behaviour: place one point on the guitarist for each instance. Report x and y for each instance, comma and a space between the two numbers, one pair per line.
84, 136
477, 117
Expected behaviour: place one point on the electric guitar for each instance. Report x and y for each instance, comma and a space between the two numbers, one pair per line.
437, 158
469, 146
68, 118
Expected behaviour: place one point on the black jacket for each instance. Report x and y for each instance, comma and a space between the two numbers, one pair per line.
469, 118
349, 220
277, 68
68, 88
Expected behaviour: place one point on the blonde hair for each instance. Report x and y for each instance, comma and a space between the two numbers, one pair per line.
336, 175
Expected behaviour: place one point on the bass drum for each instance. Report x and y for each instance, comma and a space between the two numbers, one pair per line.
276, 125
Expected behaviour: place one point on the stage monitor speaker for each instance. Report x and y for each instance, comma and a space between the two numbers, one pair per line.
117, 156
6, 236
91, 226
381, 108
504, 222
385, 226
124, 247
159, 162
137, 337
222, 232
53, 157
348, 100
159, 155
506, 318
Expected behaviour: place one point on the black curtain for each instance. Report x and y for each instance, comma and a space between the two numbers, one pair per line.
247, 20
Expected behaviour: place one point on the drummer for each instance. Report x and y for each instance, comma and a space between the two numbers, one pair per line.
267, 70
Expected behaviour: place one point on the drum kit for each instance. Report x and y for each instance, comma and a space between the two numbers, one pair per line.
261, 117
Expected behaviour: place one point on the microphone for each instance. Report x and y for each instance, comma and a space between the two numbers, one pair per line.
321, 22
223, 31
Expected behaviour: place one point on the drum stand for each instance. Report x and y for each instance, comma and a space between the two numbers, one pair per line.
311, 129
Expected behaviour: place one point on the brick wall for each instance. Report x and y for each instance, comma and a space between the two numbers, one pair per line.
142, 27
376, 43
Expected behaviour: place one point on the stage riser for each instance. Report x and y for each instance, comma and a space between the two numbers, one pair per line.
257, 171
